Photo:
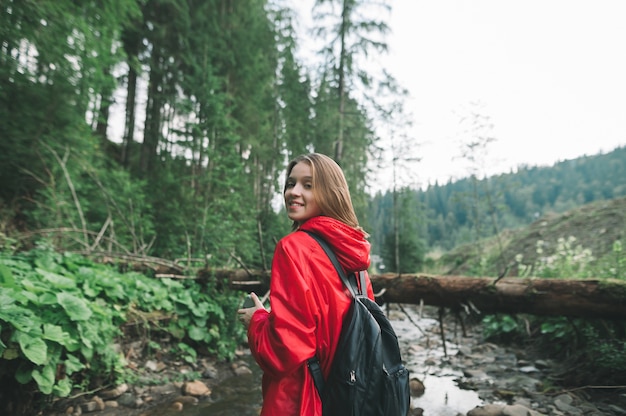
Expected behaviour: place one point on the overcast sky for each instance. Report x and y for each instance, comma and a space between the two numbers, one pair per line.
550, 75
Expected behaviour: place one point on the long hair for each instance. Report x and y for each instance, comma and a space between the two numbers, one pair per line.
330, 188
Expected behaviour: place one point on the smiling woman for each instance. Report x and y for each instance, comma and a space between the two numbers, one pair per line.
327, 185
308, 300
299, 196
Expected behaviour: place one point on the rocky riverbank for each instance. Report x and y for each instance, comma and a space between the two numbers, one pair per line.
466, 376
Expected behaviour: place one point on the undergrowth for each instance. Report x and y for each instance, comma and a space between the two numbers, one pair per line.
595, 349
61, 317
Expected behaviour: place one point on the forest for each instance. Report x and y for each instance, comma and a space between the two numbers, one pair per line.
211, 102
158, 130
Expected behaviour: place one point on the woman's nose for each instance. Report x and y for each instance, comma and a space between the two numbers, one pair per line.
297, 189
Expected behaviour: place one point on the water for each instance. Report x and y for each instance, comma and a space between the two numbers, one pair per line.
424, 356
426, 359
239, 395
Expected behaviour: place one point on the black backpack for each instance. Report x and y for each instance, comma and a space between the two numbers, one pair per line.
367, 376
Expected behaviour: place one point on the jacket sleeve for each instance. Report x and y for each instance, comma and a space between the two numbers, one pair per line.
284, 338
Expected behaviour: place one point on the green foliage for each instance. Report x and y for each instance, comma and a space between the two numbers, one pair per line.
500, 326
518, 198
63, 311
599, 345
99, 207
613, 264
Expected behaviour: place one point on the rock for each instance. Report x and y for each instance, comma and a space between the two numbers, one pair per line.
129, 400
90, 406
542, 364
475, 374
151, 365
430, 361
418, 411
187, 400
528, 369
465, 350
564, 402
416, 387
111, 404
617, 409
502, 410
176, 407
196, 388
99, 403
209, 371
240, 368
518, 410
164, 389
487, 410
115, 392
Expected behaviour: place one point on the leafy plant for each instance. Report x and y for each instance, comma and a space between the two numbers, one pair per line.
60, 318
599, 345
500, 326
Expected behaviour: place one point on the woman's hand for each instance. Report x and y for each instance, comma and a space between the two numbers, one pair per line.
245, 314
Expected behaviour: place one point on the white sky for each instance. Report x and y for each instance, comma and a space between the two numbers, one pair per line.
550, 75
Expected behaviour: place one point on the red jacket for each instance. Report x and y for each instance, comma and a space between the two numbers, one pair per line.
308, 304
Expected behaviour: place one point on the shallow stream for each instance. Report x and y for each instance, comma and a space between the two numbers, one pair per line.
241, 395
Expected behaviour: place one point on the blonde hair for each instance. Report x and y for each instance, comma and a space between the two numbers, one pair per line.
330, 188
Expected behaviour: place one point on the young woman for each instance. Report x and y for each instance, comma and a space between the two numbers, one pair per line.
308, 300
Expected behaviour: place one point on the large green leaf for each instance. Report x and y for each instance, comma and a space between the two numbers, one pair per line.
44, 378
55, 333
196, 333
63, 388
73, 364
75, 307
5, 299
33, 347
56, 280
18, 316
6, 277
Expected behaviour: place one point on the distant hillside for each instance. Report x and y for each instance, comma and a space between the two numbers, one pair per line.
445, 216
595, 226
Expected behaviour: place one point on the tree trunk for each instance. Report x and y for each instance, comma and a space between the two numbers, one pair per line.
589, 298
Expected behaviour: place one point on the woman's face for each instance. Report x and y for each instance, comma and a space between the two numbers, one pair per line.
299, 200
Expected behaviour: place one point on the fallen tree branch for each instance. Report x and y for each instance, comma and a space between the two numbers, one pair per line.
582, 298
577, 298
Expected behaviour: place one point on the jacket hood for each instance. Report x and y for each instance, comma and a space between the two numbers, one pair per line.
348, 243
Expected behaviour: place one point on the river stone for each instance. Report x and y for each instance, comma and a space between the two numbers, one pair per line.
115, 392
111, 404
475, 374
196, 388
416, 387
617, 409
519, 410
502, 410
564, 402
486, 410
129, 400
528, 369
520, 382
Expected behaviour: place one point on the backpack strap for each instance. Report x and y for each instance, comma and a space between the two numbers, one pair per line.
313, 363
316, 373
354, 290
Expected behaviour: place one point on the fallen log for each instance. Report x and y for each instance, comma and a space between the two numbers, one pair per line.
587, 298
579, 298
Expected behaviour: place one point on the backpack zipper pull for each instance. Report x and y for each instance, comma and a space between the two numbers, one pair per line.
352, 377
